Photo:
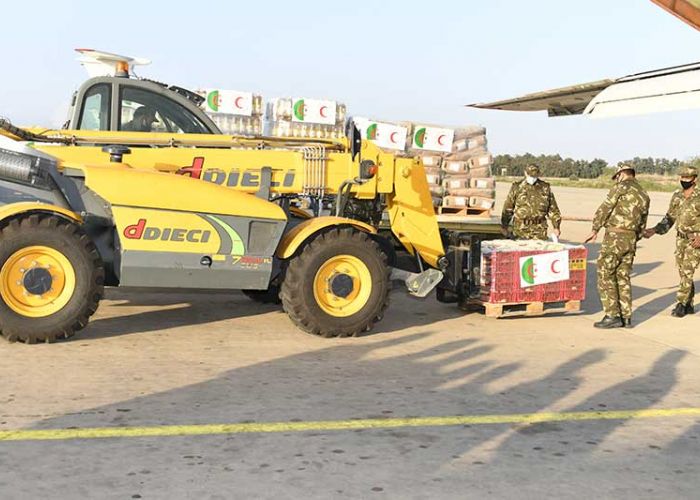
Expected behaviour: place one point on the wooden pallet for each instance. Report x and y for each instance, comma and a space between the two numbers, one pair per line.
465, 211
492, 310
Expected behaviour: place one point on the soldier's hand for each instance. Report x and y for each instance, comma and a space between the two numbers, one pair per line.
557, 233
504, 231
696, 242
648, 233
591, 237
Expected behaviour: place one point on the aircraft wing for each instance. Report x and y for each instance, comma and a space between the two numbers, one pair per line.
668, 89
686, 10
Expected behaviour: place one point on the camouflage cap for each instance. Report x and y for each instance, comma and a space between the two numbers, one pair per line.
532, 170
688, 172
621, 168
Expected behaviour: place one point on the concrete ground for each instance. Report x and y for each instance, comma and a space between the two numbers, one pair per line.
151, 359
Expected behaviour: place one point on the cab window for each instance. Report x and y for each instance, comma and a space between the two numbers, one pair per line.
145, 111
95, 110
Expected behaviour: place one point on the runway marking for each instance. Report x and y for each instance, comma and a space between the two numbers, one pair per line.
337, 425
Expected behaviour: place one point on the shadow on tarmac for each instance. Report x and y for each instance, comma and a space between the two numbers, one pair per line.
201, 308
367, 380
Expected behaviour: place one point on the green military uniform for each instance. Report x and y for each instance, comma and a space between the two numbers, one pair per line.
624, 215
685, 213
528, 207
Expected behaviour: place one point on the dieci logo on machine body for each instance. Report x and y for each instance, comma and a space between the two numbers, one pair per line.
141, 231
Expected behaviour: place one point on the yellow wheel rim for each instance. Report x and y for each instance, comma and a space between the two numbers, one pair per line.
342, 286
37, 281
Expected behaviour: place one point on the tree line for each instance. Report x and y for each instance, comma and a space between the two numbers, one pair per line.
556, 166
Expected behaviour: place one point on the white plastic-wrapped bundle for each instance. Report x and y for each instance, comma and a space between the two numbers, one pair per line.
233, 111
391, 136
305, 118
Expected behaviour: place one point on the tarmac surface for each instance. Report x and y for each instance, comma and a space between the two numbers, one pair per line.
545, 406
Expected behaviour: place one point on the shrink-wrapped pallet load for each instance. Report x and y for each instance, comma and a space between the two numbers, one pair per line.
467, 173
456, 160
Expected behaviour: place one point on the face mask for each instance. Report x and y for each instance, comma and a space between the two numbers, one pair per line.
530, 180
687, 184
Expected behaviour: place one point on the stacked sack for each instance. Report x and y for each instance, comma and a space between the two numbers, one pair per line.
433, 172
457, 162
466, 171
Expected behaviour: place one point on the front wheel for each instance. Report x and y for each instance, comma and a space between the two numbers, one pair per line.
51, 279
338, 285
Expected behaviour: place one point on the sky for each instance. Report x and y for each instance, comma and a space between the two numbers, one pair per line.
387, 60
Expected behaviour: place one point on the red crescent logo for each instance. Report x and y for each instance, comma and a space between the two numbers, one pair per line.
391, 137
237, 103
554, 265
322, 111
440, 140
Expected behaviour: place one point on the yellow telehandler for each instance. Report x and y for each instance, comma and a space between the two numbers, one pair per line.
92, 206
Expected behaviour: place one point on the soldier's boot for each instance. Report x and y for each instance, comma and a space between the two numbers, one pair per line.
679, 311
689, 308
609, 322
627, 322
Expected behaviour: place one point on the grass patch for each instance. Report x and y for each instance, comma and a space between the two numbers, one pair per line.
657, 183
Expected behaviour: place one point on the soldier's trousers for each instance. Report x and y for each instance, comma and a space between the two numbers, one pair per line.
529, 231
614, 269
687, 260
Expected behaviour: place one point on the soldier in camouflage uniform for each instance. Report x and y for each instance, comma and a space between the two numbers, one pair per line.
684, 211
528, 205
623, 214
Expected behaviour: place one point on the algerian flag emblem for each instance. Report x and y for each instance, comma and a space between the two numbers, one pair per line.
299, 110
372, 132
527, 271
419, 137
213, 100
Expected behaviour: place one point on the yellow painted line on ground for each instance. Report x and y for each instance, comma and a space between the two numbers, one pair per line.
338, 425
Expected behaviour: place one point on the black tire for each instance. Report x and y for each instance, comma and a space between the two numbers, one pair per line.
67, 238
269, 296
297, 290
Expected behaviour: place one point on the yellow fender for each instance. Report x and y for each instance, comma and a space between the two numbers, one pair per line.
293, 239
13, 209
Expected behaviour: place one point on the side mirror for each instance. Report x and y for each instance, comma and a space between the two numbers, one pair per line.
355, 141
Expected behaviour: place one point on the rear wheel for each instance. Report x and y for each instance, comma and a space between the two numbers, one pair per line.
51, 279
338, 286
